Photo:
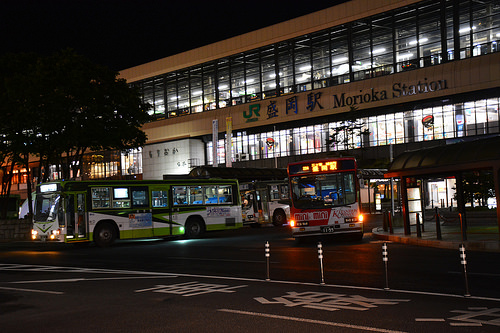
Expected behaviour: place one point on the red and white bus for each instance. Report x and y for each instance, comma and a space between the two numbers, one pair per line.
325, 198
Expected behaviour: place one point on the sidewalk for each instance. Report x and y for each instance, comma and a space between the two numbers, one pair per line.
480, 236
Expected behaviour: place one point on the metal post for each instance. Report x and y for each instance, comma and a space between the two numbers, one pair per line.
267, 260
385, 259
464, 262
438, 225
384, 221
463, 228
320, 256
391, 230
419, 232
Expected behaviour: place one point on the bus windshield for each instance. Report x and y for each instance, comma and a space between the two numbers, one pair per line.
323, 191
47, 206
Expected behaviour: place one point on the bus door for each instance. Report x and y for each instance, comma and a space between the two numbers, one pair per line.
162, 214
76, 217
263, 199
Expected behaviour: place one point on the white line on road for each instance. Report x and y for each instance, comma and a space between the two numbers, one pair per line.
429, 319
466, 324
311, 321
34, 290
158, 274
98, 279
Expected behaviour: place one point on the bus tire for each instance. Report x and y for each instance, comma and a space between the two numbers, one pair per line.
104, 234
195, 227
279, 218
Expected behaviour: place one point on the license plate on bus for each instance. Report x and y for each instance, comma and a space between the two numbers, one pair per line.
327, 229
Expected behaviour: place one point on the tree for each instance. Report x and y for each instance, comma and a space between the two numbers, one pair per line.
342, 136
94, 110
478, 185
58, 107
18, 125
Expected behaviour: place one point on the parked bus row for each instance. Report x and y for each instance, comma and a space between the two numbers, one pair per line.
315, 198
103, 211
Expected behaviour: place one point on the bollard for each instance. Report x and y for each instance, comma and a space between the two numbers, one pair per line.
463, 228
320, 257
438, 226
384, 221
419, 232
267, 260
385, 259
464, 262
391, 230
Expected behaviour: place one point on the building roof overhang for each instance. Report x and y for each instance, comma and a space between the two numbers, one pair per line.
448, 159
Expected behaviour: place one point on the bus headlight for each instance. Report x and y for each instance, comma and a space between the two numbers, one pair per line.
292, 223
34, 234
360, 218
54, 234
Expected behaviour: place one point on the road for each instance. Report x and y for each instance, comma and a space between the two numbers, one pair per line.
222, 283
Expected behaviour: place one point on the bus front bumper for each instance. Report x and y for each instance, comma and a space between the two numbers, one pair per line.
331, 229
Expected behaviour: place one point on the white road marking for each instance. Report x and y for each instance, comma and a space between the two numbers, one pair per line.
310, 321
466, 324
430, 319
34, 290
104, 271
97, 279
192, 288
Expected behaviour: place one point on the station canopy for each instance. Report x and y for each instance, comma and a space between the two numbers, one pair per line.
448, 159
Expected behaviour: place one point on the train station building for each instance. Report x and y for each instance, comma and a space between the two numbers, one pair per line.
369, 78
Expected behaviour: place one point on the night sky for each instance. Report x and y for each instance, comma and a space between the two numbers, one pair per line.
126, 33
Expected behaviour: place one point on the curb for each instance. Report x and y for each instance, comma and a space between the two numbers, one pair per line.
483, 246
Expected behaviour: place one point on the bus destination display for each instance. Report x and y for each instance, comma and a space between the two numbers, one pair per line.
321, 166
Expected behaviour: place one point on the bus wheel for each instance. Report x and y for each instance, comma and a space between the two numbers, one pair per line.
279, 218
194, 228
104, 235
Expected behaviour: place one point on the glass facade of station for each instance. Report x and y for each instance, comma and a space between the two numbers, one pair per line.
425, 34
443, 121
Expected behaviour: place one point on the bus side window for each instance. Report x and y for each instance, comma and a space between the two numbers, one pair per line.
101, 197
284, 192
159, 198
210, 194
179, 193
225, 194
140, 197
195, 195
274, 192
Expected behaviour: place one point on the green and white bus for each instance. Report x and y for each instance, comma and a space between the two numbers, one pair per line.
103, 211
